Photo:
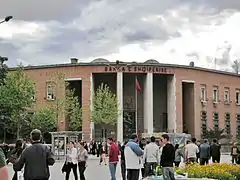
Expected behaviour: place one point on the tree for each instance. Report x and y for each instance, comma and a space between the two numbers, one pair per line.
66, 106
105, 106
44, 120
215, 133
15, 99
73, 111
236, 66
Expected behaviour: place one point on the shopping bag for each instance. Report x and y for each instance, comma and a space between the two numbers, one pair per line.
20, 175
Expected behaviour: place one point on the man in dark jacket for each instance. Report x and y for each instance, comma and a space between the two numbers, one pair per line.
204, 150
215, 151
36, 158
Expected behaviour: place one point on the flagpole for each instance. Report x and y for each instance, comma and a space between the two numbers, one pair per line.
136, 105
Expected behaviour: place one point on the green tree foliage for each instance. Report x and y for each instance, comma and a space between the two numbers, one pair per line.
73, 111
16, 98
215, 133
105, 106
67, 106
44, 120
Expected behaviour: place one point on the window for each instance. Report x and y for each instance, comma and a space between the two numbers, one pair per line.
203, 93
238, 97
228, 123
215, 120
226, 95
204, 122
215, 94
50, 91
238, 124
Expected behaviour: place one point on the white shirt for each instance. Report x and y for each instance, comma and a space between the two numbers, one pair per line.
191, 150
72, 156
151, 153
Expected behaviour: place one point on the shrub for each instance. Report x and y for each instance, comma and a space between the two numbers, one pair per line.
220, 171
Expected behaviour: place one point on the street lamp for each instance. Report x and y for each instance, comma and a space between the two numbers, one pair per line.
8, 18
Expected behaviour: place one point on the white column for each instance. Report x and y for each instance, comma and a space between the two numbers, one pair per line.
91, 105
120, 106
148, 103
171, 103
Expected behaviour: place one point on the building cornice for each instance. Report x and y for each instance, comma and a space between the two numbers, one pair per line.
128, 64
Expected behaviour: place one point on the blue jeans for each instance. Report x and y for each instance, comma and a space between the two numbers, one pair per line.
112, 169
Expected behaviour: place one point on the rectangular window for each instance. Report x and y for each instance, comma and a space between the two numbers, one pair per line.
204, 122
50, 91
203, 93
237, 97
238, 124
228, 123
226, 95
215, 94
215, 120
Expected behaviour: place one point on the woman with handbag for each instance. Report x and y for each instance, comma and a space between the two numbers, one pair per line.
14, 155
71, 161
82, 159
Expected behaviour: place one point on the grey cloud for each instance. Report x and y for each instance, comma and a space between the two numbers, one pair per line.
31, 10
88, 28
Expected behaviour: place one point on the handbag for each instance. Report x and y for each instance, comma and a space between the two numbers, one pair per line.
64, 167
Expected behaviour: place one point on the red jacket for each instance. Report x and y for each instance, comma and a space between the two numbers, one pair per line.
113, 153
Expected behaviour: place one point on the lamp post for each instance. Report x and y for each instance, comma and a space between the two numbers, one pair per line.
8, 18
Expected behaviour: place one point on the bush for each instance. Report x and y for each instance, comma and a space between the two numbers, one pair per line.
220, 171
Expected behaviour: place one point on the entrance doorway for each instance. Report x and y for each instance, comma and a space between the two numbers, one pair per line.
188, 107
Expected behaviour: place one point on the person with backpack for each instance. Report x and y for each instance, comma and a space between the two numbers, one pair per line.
35, 159
14, 155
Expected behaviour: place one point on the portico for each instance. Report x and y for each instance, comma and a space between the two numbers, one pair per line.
146, 110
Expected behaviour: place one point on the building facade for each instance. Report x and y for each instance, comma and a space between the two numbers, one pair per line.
152, 97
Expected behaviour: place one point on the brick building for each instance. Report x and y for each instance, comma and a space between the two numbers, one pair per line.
171, 98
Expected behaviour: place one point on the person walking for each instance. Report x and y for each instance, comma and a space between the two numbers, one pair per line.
3, 167
178, 155
123, 162
215, 151
35, 159
71, 161
82, 159
133, 158
142, 145
204, 151
103, 152
113, 158
14, 155
234, 153
191, 150
167, 158
151, 156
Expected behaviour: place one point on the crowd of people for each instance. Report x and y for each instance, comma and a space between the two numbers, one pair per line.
136, 157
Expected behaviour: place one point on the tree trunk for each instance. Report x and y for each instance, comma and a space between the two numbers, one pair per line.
18, 131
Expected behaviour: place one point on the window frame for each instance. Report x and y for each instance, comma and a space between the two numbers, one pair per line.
50, 95
203, 121
215, 97
227, 100
237, 96
227, 123
238, 124
215, 120
203, 93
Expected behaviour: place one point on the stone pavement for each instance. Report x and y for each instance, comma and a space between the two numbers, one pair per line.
94, 171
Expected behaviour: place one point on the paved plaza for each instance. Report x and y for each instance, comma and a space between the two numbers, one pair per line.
94, 170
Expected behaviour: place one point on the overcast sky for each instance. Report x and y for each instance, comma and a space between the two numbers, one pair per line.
173, 31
